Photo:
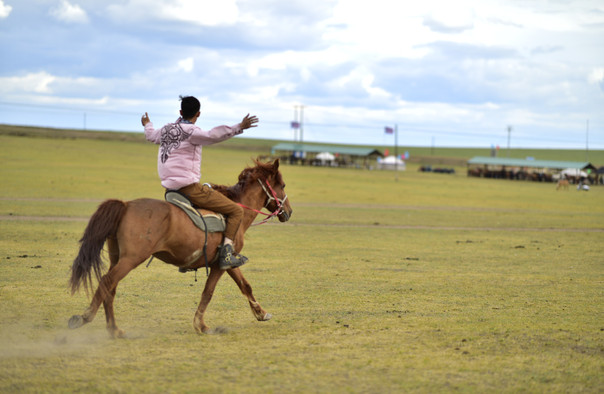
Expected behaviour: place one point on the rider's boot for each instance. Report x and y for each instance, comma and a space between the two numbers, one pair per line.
229, 259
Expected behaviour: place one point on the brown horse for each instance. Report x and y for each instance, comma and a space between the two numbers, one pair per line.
136, 230
562, 183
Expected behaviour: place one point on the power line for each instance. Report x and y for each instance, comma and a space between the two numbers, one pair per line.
409, 129
74, 109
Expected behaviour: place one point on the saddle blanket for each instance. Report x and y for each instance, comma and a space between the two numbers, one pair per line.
214, 221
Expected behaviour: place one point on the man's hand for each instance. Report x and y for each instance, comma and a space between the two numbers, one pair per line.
248, 121
145, 119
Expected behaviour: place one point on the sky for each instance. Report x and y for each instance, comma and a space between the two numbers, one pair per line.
524, 74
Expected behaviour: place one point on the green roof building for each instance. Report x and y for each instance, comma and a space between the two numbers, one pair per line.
299, 153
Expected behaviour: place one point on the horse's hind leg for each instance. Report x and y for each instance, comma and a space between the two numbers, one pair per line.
206, 296
114, 255
103, 290
112, 328
246, 289
105, 293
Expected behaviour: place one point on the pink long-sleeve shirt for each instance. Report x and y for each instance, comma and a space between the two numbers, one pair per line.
179, 156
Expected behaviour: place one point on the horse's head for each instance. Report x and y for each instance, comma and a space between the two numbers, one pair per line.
276, 198
268, 190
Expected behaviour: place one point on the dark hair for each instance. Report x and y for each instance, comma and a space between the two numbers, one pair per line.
189, 106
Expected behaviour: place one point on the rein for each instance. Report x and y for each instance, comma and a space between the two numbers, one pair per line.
271, 197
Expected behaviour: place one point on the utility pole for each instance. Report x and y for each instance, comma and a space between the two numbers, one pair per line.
396, 150
390, 130
299, 121
295, 123
298, 126
509, 135
587, 141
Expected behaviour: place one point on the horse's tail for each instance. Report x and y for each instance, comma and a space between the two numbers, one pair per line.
103, 224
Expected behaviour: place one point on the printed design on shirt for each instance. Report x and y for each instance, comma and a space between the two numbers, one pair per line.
171, 137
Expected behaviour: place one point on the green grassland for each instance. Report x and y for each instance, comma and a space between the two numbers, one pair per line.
418, 282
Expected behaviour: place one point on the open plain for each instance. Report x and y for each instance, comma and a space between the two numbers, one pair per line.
417, 283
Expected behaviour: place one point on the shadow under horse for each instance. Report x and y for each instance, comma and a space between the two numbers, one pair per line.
138, 229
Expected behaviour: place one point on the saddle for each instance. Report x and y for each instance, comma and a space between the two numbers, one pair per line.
205, 220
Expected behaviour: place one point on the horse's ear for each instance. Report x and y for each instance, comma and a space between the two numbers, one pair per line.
276, 165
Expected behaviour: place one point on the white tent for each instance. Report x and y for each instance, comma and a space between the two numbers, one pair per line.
574, 172
325, 156
391, 163
325, 159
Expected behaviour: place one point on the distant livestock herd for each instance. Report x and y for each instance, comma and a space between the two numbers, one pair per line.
535, 175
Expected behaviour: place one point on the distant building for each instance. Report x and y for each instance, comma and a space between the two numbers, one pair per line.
326, 155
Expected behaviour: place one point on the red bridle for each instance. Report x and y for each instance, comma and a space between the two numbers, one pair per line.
272, 196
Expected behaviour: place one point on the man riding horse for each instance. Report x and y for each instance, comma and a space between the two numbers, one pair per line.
179, 167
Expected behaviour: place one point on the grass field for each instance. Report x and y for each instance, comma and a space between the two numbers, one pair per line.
428, 283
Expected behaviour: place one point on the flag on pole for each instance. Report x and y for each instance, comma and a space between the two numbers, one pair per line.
295, 125
388, 130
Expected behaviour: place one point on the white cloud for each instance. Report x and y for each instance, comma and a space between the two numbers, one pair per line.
450, 17
32, 83
70, 13
376, 29
200, 12
44, 83
5, 10
186, 65
596, 76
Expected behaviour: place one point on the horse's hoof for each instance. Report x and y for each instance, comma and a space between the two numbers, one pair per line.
199, 326
117, 333
267, 317
76, 321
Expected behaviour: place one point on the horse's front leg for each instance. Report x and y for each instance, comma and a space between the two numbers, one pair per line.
206, 296
246, 289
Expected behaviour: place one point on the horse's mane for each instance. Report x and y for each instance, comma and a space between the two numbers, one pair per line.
247, 177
